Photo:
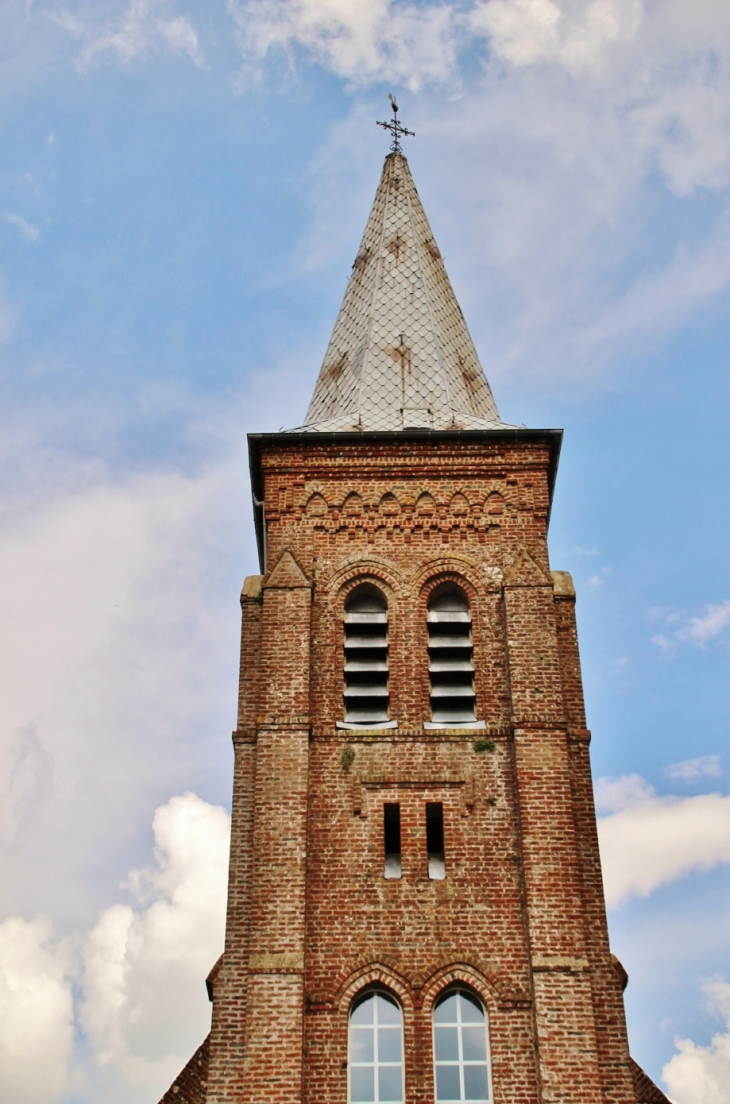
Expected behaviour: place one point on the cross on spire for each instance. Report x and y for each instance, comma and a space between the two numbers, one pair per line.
394, 127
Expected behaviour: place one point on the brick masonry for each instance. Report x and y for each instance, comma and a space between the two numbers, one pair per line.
520, 916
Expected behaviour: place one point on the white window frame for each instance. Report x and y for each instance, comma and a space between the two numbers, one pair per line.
460, 1063
375, 1065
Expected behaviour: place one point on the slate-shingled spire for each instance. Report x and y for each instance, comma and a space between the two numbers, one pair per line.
400, 355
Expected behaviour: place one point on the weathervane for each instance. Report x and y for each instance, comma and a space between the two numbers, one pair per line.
394, 127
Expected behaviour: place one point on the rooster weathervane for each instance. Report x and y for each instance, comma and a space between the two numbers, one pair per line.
394, 126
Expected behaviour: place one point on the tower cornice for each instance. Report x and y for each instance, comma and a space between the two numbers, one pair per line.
259, 442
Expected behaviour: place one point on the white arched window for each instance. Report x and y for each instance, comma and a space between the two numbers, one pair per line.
376, 1051
461, 1049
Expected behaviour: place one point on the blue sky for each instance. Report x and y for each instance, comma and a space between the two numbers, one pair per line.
182, 191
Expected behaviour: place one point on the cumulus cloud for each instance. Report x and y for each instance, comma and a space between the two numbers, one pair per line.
609, 103
380, 40
689, 770
29, 785
648, 840
573, 35
139, 976
144, 1006
36, 1012
143, 29
701, 1074
118, 661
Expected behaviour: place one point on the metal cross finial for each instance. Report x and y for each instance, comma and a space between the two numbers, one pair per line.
394, 127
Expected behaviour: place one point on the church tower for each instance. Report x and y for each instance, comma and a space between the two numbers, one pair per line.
415, 909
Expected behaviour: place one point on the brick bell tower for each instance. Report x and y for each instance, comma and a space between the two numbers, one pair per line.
415, 909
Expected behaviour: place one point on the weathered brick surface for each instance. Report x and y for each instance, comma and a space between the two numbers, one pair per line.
520, 916
225, 1077
646, 1090
190, 1086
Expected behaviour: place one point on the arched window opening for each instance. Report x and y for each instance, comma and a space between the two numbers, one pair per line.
366, 658
375, 1058
450, 657
461, 1049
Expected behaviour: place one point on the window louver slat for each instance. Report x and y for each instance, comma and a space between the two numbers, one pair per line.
366, 660
451, 666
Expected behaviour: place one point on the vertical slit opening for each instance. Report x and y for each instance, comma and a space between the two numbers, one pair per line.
391, 836
435, 840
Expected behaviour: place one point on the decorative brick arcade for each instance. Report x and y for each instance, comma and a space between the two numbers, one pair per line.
415, 908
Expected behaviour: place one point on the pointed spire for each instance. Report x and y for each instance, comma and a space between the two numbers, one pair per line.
400, 355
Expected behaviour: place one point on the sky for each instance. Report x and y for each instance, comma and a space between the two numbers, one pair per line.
183, 186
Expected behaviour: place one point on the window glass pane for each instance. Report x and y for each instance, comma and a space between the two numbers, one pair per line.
461, 1050
389, 1044
361, 1044
447, 1044
474, 1044
363, 1014
362, 1085
446, 1011
388, 1011
390, 1084
447, 1083
376, 1051
475, 1083
471, 1010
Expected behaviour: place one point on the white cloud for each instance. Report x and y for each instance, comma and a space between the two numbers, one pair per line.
612, 104
118, 597
695, 630
29, 785
648, 840
614, 794
701, 1074
574, 35
144, 1005
139, 979
36, 1012
689, 770
362, 42
29, 232
709, 625
142, 30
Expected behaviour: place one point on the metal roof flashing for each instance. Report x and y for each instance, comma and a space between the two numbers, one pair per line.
257, 442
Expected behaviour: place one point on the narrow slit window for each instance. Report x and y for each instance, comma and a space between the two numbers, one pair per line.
435, 840
451, 658
391, 836
367, 698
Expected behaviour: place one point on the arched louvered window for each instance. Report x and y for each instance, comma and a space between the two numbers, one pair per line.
461, 1049
376, 1050
450, 657
366, 657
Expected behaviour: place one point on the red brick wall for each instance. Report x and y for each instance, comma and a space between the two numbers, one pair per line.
520, 914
